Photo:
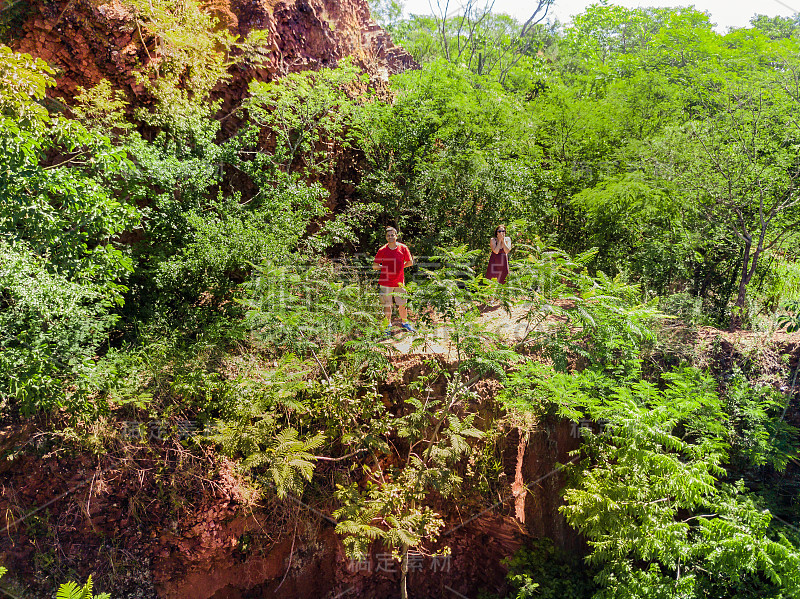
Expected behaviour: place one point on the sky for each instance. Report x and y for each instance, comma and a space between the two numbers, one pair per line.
725, 13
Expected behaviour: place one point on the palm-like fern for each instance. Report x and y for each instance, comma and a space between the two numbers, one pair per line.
71, 590
288, 461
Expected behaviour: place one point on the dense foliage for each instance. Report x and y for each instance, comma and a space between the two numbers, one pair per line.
156, 265
642, 132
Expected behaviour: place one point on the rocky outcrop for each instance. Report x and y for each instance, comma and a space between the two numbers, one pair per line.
90, 40
535, 458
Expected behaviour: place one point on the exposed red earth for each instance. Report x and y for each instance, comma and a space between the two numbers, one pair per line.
90, 40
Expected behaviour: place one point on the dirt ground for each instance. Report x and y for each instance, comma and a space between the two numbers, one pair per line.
511, 327
508, 326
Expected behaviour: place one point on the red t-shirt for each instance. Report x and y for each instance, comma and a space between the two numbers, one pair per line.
391, 261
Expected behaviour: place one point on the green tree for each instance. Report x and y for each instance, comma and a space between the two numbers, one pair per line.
102, 109
775, 28
452, 148
392, 508
740, 165
69, 203
192, 53
304, 111
387, 13
486, 43
649, 492
605, 36
63, 271
23, 81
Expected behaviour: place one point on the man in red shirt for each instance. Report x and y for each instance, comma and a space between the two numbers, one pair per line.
391, 259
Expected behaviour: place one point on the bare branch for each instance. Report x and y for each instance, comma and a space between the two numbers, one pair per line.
542, 6
442, 23
339, 459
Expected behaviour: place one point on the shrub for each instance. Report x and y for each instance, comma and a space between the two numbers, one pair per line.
649, 493
687, 307
541, 571
51, 330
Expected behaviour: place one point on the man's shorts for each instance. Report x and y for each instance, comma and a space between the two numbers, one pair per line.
387, 293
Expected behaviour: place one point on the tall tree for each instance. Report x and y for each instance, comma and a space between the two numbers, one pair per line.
487, 43
738, 159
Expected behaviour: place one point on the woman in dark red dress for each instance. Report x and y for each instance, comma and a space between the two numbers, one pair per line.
498, 259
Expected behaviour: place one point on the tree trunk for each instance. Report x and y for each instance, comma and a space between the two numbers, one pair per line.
404, 573
747, 273
738, 308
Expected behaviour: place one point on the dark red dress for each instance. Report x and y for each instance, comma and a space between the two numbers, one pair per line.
498, 266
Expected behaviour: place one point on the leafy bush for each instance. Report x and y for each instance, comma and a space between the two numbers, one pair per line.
624, 213
758, 434
170, 373
201, 241
648, 493
23, 81
51, 328
792, 320
688, 308
780, 283
601, 319
62, 270
258, 433
309, 307
197, 53
69, 205
223, 243
541, 571
303, 110
451, 287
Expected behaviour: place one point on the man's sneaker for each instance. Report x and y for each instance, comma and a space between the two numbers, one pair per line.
408, 327
387, 332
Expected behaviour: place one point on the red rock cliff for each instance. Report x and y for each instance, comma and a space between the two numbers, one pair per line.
90, 40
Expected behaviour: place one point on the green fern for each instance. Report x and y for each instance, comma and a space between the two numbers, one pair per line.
648, 494
288, 461
71, 590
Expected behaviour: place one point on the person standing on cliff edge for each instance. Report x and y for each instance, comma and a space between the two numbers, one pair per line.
391, 260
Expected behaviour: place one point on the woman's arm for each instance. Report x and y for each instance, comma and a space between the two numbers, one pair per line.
494, 245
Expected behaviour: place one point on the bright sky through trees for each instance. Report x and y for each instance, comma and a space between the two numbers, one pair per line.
725, 13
